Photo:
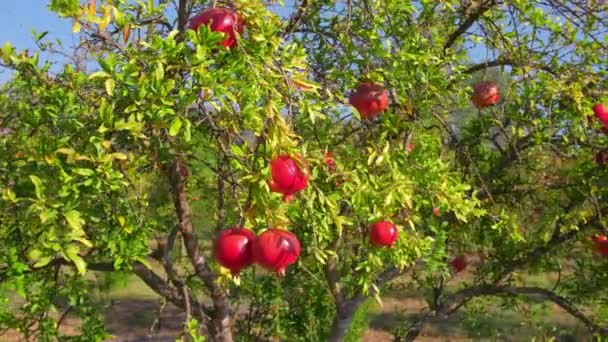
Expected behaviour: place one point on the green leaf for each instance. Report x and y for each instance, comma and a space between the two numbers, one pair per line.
72, 254
43, 262
176, 125
74, 219
159, 72
110, 86
7, 51
39, 188
99, 74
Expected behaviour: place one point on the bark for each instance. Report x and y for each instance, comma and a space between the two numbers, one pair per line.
344, 318
221, 321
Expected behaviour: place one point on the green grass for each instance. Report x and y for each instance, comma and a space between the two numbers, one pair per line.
360, 322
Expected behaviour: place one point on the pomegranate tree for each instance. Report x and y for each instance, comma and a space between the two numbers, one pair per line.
485, 94
233, 248
369, 99
289, 175
275, 249
220, 20
383, 234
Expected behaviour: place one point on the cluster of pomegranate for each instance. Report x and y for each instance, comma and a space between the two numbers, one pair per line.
238, 247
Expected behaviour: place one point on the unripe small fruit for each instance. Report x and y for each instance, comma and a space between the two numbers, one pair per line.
330, 162
436, 212
383, 234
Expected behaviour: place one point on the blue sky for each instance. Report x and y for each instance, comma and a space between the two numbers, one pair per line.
19, 17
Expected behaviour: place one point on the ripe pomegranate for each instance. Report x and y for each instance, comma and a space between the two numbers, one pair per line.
369, 99
330, 162
485, 94
219, 20
383, 233
601, 244
289, 175
275, 249
601, 112
459, 263
233, 248
601, 158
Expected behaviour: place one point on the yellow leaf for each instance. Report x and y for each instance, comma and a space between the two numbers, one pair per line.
305, 85
76, 26
92, 7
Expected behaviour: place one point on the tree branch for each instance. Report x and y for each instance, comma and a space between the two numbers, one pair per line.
220, 324
182, 15
509, 62
296, 18
544, 294
482, 8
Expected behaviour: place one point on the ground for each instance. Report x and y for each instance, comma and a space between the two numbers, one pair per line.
132, 309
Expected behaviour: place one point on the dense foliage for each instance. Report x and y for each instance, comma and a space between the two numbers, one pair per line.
154, 137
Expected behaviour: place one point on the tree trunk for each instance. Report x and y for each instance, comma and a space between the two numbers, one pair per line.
220, 328
344, 318
220, 323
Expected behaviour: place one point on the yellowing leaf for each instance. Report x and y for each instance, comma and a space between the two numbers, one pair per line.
76, 26
92, 7
110, 86
176, 125
72, 253
74, 219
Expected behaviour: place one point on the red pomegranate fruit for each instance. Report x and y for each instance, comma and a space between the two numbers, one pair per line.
289, 175
233, 248
601, 244
369, 99
601, 158
601, 112
275, 249
219, 20
383, 234
459, 263
485, 94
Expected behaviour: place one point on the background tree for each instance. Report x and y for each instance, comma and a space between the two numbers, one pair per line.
101, 159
